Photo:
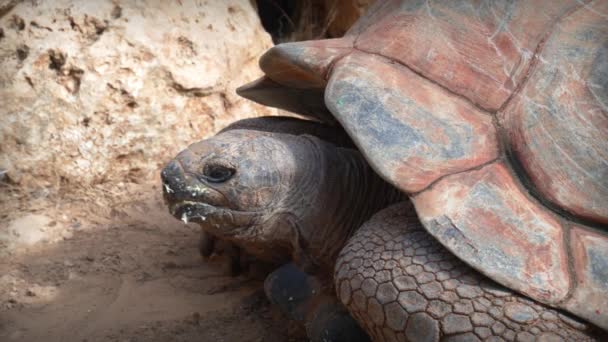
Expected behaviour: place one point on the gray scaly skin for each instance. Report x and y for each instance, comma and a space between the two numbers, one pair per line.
261, 190
291, 196
401, 284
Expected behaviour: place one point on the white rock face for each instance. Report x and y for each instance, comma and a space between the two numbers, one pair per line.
95, 91
26, 230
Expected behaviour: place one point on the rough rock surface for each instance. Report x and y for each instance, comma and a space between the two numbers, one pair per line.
101, 91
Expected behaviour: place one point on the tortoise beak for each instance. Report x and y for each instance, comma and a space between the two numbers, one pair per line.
180, 186
172, 179
191, 200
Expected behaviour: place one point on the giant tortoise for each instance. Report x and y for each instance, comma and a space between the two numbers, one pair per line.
487, 120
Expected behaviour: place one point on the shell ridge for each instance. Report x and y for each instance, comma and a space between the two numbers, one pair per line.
537, 52
474, 168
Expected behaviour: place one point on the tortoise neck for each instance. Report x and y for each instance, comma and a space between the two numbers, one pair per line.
341, 192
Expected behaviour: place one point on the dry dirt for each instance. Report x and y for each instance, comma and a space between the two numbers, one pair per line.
112, 265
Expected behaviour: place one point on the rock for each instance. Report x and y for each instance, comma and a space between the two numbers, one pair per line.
103, 91
26, 230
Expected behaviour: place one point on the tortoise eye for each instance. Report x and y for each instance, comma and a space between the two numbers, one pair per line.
216, 173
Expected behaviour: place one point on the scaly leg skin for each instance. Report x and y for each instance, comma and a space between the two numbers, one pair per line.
400, 284
206, 244
236, 262
301, 297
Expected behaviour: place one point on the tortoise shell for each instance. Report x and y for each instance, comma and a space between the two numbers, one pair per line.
491, 116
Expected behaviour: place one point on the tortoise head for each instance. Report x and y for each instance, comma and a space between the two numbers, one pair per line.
275, 192
252, 187
230, 183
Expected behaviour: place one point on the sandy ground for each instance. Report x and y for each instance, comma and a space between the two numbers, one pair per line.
87, 267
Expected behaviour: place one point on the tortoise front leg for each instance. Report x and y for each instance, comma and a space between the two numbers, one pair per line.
236, 260
206, 244
302, 297
401, 284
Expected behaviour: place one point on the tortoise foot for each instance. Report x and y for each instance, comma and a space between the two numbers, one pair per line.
300, 297
332, 322
291, 290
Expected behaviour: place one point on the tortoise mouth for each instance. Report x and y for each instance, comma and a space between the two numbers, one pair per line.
220, 220
189, 211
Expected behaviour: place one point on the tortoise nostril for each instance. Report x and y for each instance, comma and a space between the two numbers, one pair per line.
171, 176
163, 177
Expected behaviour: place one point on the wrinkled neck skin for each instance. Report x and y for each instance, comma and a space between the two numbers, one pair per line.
332, 193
